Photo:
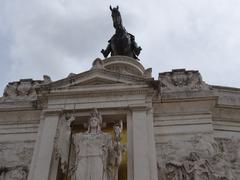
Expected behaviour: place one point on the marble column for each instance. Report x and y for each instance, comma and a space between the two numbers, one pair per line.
130, 146
41, 163
144, 156
152, 145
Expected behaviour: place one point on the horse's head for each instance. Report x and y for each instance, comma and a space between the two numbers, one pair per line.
116, 17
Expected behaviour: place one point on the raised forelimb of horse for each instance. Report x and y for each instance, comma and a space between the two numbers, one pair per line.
106, 51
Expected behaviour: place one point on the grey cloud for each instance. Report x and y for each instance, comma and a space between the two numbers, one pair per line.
197, 35
62, 36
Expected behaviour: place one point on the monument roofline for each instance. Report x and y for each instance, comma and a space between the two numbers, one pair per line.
115, 69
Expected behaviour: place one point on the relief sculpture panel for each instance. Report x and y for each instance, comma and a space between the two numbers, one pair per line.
15, 160
199, 159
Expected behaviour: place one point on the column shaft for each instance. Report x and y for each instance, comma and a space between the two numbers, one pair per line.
44, 152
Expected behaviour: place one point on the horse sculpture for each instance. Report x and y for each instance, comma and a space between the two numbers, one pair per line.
122, 42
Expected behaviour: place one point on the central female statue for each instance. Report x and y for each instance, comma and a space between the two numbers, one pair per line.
91, 149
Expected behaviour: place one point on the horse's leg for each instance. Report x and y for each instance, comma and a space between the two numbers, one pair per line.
106, 51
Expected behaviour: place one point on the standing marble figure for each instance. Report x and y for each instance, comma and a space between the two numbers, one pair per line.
91, 151
116, 152
94, 155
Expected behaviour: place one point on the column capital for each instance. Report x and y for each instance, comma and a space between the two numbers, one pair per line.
52, 112
139, 107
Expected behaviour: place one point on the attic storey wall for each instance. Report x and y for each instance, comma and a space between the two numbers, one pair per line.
18, 131
180, 120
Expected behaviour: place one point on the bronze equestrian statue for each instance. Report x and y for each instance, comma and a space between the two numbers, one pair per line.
121, 43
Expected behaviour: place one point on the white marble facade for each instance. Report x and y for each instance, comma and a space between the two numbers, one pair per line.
178, 127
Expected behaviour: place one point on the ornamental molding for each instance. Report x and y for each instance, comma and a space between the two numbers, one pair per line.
181, 80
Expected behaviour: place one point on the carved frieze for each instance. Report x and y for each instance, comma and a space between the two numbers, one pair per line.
181, 80
199, 159
15, 159
14, 173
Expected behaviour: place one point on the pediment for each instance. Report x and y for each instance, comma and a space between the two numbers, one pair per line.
96, 81
96, 77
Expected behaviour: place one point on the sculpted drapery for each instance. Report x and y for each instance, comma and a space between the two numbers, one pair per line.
94, 155
90, 153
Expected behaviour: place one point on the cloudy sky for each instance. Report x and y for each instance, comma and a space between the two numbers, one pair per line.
57, 37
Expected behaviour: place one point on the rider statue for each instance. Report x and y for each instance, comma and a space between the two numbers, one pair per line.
121, 43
